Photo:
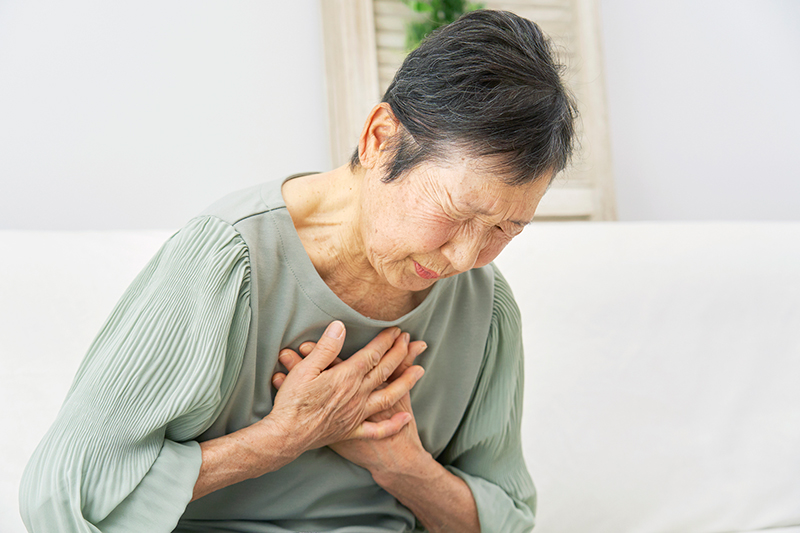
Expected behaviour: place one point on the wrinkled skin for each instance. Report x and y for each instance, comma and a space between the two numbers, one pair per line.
361, 398
391, 453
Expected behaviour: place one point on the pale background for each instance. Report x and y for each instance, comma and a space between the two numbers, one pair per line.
138, 115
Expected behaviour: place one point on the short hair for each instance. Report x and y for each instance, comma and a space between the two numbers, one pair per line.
487, 84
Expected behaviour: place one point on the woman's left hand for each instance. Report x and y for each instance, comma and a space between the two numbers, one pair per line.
396, 454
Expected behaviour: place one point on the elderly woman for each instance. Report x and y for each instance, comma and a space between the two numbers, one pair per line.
201, 406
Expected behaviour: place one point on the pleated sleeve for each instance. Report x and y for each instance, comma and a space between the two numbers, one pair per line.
119, 457
486, 451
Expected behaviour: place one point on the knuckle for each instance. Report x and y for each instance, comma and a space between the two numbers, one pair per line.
384, 401
386, 341
373, 357
360, 368
328, 347
384, 372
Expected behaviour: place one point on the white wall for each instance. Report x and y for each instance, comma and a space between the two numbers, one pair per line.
123, 115
137, 115
704, 105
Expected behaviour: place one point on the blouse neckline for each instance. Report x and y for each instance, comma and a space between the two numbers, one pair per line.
309, 279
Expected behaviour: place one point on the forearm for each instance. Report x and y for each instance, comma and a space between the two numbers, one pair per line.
244, 454
441, 500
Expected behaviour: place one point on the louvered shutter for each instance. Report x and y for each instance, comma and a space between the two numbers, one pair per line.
365, 43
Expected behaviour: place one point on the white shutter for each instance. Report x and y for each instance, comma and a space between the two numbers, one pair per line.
583, 191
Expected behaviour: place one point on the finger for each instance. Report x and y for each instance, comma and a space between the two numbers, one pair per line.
388, 363
367, 358
382, 429
414, 349
306, 348
328, 346
277, 379
383, 399
289, 359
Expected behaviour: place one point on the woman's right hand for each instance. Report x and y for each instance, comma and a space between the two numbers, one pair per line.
316, 405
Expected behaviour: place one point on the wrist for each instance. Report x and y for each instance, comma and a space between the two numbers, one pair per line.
418, 469
440, 500
275, 444
244, 454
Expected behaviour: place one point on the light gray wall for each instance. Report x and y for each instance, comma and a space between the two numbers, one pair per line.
137, 115
125, 115
704, 106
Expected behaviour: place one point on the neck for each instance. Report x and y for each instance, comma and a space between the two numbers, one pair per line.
325, 211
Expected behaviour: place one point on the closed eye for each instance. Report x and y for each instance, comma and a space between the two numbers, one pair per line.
512, 230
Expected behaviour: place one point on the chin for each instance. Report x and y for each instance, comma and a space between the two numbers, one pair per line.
411, 282
403, 277
413, 285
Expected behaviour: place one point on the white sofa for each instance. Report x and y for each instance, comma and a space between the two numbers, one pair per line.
662, 365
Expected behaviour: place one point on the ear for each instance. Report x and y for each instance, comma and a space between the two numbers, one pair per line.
379, 127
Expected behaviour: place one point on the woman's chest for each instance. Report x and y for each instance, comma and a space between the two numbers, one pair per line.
454, 330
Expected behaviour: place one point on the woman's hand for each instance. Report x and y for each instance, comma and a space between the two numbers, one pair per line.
440, 500
317, 405
395, 453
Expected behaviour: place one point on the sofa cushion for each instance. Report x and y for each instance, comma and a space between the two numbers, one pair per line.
662, 374
662, 365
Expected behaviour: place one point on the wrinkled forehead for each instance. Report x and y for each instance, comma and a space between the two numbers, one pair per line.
479, 189
515, 201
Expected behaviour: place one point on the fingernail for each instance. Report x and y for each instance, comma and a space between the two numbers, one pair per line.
420, 373
406, 338
283, 357
335, 330
422, 348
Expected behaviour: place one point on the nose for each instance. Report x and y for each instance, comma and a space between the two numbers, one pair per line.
462, 252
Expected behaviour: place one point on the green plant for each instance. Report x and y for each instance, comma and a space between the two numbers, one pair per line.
437, 13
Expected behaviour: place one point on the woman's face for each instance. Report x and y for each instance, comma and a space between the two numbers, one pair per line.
439, 220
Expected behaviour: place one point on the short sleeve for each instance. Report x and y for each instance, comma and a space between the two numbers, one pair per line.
486, 451
119, 456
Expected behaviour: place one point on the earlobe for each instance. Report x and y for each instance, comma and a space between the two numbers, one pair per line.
379, 127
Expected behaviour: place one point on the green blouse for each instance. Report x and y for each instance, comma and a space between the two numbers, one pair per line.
188, 353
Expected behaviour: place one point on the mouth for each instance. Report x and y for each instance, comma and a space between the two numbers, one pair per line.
424, 272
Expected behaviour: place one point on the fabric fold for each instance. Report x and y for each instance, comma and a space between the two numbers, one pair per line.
486, 451
163, 364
